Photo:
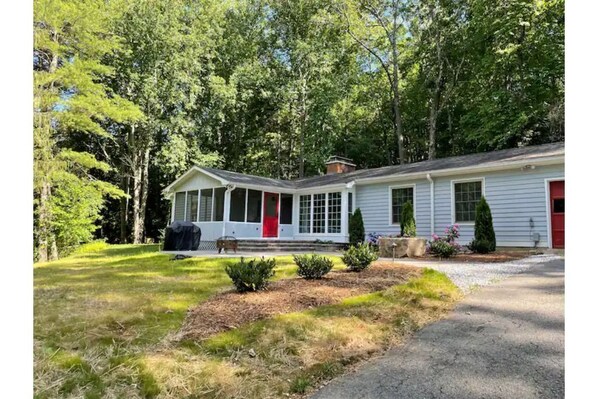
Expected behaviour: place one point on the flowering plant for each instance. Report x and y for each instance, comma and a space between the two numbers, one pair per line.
373, 238
447, 246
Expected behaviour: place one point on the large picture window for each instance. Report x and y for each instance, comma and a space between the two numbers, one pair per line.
467, 196
304, 213
334, 213
399, 197
319, 221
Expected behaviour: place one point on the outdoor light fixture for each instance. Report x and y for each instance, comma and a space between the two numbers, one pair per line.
394, 246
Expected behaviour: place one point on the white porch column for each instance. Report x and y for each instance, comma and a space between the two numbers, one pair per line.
226, 216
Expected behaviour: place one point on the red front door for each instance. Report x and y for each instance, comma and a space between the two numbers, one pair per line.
270, 223
557, 213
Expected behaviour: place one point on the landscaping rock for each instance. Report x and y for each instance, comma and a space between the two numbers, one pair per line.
405, 246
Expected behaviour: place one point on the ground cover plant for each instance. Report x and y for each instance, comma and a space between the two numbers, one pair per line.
106, 325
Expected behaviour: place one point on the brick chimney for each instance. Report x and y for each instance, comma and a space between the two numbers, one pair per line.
336, 164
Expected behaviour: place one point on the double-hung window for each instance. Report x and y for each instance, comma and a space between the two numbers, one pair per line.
466, 198
399, 197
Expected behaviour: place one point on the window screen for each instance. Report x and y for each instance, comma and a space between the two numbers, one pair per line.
237, 205
219, 204
205, 208
334, 213
179, 206
467, 196
192, 202
400, 196
319, 213
286, 208
304, 213
254, 206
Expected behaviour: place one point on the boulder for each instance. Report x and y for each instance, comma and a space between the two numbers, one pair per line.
405, 246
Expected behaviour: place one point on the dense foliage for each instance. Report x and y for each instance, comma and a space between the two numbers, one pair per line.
359, 257
252, 275
356, 228
129, 93
312, 266
484, 237
407, 221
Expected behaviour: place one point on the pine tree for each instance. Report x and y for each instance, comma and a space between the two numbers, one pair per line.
356, 229
484, 237
407, 221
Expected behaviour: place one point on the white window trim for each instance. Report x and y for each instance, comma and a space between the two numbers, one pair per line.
390, 188
311, 216
468, 180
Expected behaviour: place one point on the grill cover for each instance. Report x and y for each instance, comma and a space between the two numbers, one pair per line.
182, 236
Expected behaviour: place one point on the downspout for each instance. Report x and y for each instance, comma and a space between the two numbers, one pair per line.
226, 216
429, 177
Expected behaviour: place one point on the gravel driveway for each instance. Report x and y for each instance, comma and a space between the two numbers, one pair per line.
467, 276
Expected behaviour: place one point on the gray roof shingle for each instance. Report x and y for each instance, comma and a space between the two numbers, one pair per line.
480, 159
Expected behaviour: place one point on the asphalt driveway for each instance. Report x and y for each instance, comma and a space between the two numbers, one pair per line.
503, 341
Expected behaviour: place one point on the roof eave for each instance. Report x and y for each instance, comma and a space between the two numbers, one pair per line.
554, 160
168, 190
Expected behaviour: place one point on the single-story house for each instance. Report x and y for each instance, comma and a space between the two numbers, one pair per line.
523, 186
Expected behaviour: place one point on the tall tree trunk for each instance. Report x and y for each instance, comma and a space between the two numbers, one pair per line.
302, 126
124, 211
398, 123
432, 123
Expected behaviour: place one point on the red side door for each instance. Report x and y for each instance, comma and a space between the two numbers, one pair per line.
270, 222
557, 213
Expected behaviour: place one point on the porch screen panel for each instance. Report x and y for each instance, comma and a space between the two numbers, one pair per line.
304, 213
254, 206
237, 205
179, 206
319, 221
334, 213
219, 204
286, 208
192, 202
205, 208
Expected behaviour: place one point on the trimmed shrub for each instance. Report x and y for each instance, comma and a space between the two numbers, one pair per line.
312, 266
407, 221
443, 249
252, 275
484, 229
480, 246
356, 229
359, 257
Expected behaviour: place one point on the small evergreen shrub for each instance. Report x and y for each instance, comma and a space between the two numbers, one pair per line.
356, 229
484, 229
252, 275
312, 266
359, 257
407, 221
480, 246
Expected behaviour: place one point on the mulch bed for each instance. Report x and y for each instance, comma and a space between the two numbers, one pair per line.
230, 309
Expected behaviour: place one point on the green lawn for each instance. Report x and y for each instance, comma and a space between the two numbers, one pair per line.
104, 318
